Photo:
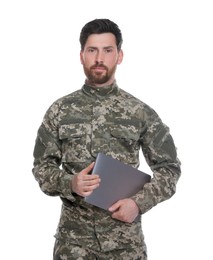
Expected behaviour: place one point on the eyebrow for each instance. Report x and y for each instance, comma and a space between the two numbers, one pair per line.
106, 47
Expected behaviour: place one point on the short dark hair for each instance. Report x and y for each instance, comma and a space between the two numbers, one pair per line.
99, 26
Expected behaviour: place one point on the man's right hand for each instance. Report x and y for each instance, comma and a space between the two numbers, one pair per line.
83, 183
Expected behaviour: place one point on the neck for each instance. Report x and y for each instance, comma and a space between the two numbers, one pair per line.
108, 83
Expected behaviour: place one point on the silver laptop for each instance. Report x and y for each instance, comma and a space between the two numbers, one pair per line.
118, 181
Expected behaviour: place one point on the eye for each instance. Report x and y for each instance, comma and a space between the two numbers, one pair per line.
108, 50
91, 50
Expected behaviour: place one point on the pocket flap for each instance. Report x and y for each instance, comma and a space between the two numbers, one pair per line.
71, 131
124, 131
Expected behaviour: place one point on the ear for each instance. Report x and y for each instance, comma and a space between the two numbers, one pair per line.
120, 56
81, 57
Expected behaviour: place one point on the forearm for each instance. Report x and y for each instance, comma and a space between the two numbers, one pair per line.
161, 187
160, 153
53, 181
47, 160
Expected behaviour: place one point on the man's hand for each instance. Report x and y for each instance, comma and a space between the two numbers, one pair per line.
125, 210
83, 183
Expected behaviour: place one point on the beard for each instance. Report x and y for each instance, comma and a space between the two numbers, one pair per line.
99, 77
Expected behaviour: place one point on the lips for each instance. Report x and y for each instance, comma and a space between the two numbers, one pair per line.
98, 67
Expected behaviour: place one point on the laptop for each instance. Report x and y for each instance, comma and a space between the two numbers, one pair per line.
118, 181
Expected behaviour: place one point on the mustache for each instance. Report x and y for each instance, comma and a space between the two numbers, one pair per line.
99, 65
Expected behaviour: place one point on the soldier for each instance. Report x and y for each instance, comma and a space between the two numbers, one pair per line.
101, 117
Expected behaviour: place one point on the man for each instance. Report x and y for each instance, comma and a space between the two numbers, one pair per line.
100, 117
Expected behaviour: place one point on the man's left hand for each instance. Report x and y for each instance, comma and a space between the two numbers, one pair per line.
125, 210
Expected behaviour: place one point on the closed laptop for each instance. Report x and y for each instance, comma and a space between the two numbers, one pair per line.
118, 181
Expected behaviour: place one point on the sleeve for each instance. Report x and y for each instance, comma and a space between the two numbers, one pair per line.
160, 153
52, 180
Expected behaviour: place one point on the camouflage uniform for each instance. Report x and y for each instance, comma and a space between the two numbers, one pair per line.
77, 127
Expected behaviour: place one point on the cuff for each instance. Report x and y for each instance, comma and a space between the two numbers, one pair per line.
66, 190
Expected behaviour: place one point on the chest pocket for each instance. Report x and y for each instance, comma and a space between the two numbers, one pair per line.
74, 142
124, 143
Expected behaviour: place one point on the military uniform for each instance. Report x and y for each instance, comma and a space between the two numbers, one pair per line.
75, 128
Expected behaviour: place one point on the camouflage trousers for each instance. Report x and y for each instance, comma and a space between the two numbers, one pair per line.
63, 251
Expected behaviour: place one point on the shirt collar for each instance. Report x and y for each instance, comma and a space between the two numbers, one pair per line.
100, 91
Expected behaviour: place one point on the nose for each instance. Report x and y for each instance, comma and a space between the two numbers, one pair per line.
100, 56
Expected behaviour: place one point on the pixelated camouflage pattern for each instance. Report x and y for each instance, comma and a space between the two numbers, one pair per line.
109, 120
81, 229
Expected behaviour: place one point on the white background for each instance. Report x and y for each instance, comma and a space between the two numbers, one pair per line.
168, 64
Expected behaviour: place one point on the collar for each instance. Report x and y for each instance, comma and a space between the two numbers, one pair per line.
100, 91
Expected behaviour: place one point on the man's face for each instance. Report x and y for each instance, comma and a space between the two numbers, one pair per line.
100, 58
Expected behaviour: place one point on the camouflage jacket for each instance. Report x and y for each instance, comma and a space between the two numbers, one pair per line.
108, 119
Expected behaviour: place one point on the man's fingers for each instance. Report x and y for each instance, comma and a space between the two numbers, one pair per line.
88, 168
115, 206
90, 187
84, 183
